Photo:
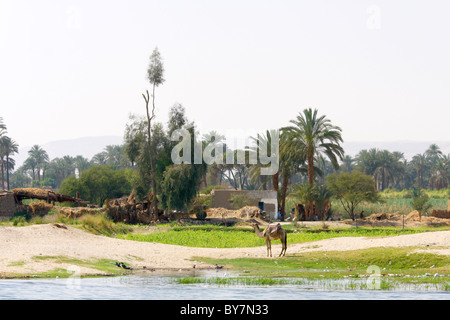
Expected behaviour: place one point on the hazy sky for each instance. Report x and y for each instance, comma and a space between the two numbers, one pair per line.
378, 69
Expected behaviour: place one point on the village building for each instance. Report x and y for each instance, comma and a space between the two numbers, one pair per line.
266, 200
7, 205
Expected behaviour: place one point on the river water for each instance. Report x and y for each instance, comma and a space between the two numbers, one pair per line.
162, 286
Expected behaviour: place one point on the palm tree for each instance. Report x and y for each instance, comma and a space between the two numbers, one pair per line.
304, 193
2, 165
433, 152
322, 200
347, 163
441, 173
420, 163
2, 127
81, 163
386, 169
290, 163
434, 156
99, 158
212, 140
30, 165
366, 161
261, 146
61, 168
115, 155
40, 157
385, 166
2, 132
8, 147
313, 135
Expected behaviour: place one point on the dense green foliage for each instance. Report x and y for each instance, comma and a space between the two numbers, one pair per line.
391, 170
180, 184
98, 183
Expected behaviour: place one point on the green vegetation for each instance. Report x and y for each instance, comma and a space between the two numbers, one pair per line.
401, 206
420, 201
396, 265
239, 281
403, 265
180, 184
101, 225
308, 150
225, 237
199, 237
407, 194
98, 224
104, 267
308, 137
98, 183
355, 282
352, 188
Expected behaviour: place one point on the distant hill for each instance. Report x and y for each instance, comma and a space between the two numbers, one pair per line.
89, 146
86, 146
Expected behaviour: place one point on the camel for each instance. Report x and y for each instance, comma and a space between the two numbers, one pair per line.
272, 232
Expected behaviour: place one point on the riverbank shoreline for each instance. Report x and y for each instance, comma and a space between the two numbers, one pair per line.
40, 249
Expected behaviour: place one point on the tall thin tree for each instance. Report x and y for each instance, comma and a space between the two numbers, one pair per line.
155, 75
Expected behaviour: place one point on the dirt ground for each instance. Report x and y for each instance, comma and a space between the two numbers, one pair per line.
21, 246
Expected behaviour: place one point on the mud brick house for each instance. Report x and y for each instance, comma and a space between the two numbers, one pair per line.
266, 200
7, 205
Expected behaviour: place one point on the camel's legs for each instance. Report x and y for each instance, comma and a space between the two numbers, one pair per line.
283, 251
283, 246
269, 248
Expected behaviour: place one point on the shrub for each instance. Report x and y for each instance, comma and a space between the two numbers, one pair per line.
19, 220
420, 201
97, 184
352, 189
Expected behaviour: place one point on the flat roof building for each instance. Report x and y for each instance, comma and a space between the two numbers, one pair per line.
266, 200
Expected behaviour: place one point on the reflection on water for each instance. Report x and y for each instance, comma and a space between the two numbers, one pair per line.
160, 285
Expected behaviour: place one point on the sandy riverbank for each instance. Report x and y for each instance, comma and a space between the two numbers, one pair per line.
20, 246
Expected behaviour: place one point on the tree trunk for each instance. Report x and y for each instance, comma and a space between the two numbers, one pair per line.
151, 161
3, 175
310, 211
149, 132
284, 187
311, 170
275, 182
7, 172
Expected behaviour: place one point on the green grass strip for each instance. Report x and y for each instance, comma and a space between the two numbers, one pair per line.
223, 238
